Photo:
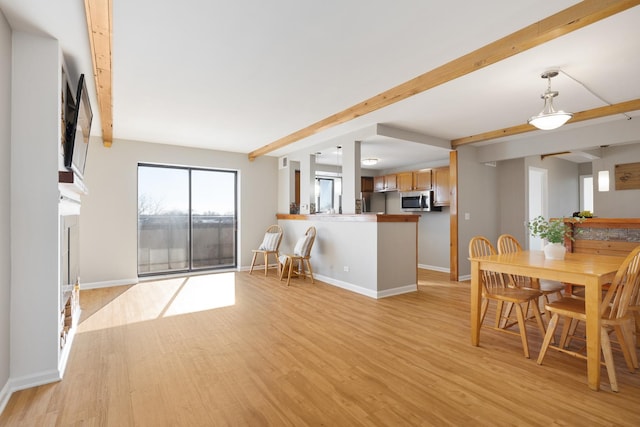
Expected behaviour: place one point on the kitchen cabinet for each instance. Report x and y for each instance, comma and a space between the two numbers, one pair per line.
366, 184
385, 183
422, 180
415, 180
405, 181
441, 186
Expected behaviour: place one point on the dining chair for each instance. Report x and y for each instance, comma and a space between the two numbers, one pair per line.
301, 255
495, 287
615, 317
270, 245
507, 243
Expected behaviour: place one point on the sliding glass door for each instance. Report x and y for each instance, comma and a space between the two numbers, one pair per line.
186, 219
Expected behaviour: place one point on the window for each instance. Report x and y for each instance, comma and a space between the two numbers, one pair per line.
586, 193
186, 219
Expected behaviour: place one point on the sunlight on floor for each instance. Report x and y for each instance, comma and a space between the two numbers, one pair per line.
201, 293
164, 298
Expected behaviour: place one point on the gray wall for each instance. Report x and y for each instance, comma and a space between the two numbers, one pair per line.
478, 197
616, 203
563, 184
5, 208
108, 219
512, 204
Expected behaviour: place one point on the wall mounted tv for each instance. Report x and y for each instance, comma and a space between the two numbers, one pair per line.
78, 127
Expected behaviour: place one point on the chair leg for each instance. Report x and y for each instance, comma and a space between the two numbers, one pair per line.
483, 312
266, 262
608, 359
290, 270
283, 268
628, 351
565, 336
551, 329
310, 270
523, 330
499, 310
538, 316
253, 262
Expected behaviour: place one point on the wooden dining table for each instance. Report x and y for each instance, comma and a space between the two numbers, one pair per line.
589, 270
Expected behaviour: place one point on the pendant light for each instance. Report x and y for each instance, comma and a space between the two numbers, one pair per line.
549, 118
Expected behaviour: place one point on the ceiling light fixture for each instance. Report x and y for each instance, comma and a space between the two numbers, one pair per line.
370, 161
549, 118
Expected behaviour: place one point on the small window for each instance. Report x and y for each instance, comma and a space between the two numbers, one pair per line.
586, 193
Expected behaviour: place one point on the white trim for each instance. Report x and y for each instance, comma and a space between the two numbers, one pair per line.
434, 268
364, 291
397, 291
34, 380
5, 395
108, 284
464, 278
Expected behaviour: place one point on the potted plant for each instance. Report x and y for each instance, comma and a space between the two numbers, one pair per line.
553, 231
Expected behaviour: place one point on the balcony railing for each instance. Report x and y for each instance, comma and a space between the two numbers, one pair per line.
163, 243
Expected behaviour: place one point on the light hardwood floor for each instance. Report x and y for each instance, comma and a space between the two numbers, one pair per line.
260, 353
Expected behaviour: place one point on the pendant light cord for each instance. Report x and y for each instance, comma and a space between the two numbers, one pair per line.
592, 92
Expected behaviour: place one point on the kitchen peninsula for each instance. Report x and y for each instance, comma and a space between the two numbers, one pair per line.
370, 254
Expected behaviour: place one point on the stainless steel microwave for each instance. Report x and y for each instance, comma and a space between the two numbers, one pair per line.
422, 201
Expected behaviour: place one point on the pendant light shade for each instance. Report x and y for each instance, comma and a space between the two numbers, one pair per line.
549, 118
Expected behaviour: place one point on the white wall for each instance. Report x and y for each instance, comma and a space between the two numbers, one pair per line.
5, 211
35, 250
616, 203
108, 219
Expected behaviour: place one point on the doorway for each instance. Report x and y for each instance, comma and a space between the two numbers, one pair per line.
538, 197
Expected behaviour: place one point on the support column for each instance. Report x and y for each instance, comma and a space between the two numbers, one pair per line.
308, 185
351, 172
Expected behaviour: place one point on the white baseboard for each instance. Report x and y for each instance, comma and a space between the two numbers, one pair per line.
398, 291
34, 380
364, 291
5, 395
434, 268
464, 278
108, 284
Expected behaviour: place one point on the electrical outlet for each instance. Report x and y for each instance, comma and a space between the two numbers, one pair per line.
346, 268
467, 216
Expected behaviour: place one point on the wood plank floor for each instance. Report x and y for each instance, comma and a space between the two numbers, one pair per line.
259, 353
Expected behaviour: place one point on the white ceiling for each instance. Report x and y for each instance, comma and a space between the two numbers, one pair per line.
237, 75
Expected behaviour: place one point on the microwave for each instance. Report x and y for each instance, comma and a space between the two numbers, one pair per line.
422, 201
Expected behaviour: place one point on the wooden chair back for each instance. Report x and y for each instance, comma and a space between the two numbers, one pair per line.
481, 246
625, 288
508, 244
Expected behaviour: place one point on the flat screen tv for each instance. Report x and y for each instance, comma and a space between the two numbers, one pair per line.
78, 127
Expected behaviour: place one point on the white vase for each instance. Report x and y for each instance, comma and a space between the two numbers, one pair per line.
554, 251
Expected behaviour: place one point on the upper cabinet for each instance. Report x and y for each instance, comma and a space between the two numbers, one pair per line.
414, 181
366, 184
405, 181
385, 183
422, 180
441, 186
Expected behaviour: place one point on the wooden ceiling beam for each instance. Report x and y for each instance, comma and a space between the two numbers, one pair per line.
100, 25
607, 110
573, 18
